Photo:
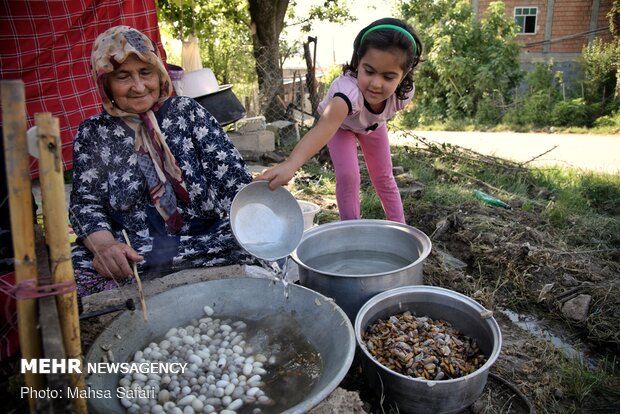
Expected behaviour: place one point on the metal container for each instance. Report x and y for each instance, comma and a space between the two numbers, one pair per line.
425, 396
359, 247
310, 211
223, 105
324, 325
266, 223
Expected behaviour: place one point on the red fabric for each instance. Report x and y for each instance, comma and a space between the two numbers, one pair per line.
9, 337
48, 45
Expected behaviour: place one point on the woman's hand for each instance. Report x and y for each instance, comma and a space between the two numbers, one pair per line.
111, 256
278, 175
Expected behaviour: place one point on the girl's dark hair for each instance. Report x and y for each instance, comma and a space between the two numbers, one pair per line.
388, 39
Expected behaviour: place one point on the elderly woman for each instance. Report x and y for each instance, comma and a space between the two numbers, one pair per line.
158, 167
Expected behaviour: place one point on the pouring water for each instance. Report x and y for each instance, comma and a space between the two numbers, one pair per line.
269, 224
281, 272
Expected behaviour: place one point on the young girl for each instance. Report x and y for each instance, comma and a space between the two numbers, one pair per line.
376, 84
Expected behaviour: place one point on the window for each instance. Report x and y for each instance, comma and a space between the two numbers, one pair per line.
525, 17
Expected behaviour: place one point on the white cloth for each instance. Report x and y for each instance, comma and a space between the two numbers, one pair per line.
190, 54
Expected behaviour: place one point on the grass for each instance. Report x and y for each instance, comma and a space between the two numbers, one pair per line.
596, 387
570, 210
583, 207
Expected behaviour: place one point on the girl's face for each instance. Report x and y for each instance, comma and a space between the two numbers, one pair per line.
134, 85
378, 74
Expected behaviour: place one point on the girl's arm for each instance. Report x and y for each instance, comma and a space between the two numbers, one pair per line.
333, 116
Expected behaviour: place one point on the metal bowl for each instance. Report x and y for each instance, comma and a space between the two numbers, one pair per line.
322, 323
425, 396
267, 223
353, 260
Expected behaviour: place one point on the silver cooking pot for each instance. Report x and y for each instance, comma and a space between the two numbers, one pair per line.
353, 260
324, 325
420, 396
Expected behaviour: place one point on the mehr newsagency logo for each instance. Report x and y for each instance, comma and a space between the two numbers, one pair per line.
74, 366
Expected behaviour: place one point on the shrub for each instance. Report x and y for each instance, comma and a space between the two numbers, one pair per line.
407, 119
488, 113
574, 112
537, 108
609, 121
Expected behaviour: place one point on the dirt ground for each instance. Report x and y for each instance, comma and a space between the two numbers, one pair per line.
512, 262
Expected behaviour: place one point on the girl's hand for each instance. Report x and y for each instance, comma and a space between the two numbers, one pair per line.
278, 175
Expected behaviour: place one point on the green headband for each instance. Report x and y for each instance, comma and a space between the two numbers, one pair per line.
393, 27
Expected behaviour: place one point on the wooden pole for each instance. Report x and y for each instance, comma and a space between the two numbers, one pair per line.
56, 220
22, 226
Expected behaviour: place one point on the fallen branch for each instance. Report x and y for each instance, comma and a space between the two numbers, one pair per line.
538, 156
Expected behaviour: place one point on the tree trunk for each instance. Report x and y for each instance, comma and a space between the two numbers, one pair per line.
311, 76
267, 23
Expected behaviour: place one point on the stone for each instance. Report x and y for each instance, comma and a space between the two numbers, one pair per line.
577, 308
271, 156
450, 262
397, 170
286, 132
253, 124
340, 401
408, 185
258, 141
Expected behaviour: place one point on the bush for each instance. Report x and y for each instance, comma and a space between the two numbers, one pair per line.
608, 121
574, 112
407, 119
488, 113
537, 108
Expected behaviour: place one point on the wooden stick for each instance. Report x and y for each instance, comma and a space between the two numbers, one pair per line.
22, 226
51, 332
57, 236
135, 274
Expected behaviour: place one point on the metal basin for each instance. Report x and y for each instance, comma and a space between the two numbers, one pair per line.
353, 260
267, 223
424, 396
323, 323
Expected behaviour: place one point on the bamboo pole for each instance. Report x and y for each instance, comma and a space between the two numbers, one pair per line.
55, 221
22, 226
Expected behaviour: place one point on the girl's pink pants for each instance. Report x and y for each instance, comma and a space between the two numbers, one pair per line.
376, 149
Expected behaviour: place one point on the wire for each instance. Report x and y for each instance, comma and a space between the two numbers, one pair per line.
514, 389
565, 38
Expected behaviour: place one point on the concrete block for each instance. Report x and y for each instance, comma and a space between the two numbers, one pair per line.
286, 132
266, 141
244, 142
256, 123
258, 141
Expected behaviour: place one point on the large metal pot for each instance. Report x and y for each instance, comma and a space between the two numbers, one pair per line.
424, 396
223, 105
371, 256
323, 324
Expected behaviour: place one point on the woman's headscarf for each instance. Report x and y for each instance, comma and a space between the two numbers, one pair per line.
162, 173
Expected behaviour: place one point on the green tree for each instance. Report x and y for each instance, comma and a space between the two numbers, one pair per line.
236, 35
222, 27
268, 21
467, 62
599, 61
614, 27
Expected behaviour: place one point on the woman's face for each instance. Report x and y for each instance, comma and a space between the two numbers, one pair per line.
134, 85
